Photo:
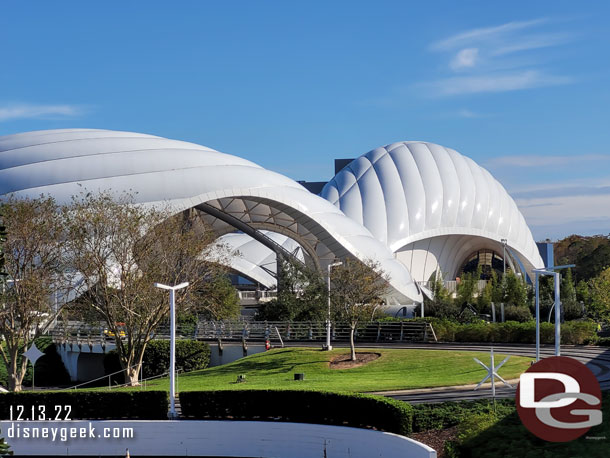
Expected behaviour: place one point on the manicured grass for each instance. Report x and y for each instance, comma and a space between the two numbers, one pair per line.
395, 369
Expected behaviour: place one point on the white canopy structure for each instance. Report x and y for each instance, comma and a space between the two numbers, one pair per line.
432, 206
232, 193
254, 260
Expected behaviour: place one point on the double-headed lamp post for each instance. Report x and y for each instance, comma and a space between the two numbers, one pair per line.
328, 345
172, 345
552, 270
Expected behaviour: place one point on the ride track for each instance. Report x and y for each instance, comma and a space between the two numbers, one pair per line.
595, 358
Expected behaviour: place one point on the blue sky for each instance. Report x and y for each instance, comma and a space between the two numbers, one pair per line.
520, 87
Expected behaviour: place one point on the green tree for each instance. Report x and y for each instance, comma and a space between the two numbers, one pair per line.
217, 299
121, 249
466, 288
302, 295
5, 449
599, 307
484, 298
497, 288
571, 308
515, 291
442, 304
568, 292
33, 264
590, 254
2, 242
582, 292
357, 293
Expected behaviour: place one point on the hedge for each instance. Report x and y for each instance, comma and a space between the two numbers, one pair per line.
328, 408
190, 355
444, 415
572, 332
89, 405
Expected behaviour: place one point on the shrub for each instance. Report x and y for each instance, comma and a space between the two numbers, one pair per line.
577, 332
357, 410
443, 328
515, 313
143, 405
190, 355
475, 332
603, 341
468, 429
572, 332
572, 310
444, 415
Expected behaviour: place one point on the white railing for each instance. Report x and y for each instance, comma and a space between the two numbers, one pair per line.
452, 285
258, 296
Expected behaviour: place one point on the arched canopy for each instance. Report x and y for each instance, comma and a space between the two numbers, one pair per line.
411, 192
254, 260
183, 175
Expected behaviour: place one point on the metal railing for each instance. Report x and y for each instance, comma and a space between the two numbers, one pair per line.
376, 331
257, 295
142, 381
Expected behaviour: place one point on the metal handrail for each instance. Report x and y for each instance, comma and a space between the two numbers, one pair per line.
263, 330
99, 378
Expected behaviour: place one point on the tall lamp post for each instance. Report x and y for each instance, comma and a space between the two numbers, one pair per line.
328, 345
557, 276
172, 345
504, 242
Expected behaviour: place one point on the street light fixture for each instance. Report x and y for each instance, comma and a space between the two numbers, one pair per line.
328, 345
172, 345
557, 276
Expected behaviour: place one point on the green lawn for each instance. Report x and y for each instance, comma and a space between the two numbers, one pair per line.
395, 369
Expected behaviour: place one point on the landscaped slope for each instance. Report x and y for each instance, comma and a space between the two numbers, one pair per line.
394, 369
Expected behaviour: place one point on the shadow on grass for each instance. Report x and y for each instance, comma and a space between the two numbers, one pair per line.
281, 363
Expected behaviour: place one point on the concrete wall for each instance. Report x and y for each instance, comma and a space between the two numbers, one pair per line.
218, 438
231, 352
85, 363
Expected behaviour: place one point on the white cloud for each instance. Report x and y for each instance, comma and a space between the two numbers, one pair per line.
27, 111
468, 114
486, 33
494, 82
528, 43
566, 215
498, 59
532, 160
465, 58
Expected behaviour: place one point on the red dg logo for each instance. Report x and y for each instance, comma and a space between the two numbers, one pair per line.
558, 399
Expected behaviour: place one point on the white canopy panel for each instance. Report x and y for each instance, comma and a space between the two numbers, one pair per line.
411, 191
253, 259
63, 163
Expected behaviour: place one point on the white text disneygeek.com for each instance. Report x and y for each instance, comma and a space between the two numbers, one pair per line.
65, 433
